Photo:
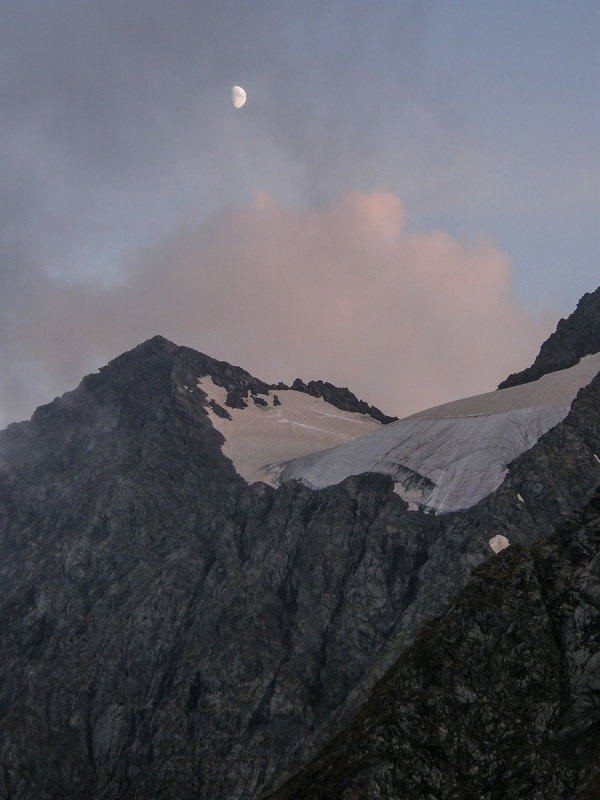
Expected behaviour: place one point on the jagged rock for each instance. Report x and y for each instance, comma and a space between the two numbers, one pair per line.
158, 620
169, 631
341, 398
575, 337
219, 410
499, 698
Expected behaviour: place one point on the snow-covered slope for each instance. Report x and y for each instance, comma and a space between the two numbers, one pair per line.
449, 457
279, 426
444, 458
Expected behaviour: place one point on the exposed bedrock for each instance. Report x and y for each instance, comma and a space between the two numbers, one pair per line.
498, 699
169, 631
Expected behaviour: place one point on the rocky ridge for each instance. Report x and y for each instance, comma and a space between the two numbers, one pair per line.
575, 337
169, 631
498, 699
341, 398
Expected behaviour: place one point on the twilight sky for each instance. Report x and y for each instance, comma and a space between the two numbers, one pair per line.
406, 204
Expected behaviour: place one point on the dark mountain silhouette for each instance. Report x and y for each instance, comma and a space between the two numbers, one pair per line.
498, 698
169, 631
575, 337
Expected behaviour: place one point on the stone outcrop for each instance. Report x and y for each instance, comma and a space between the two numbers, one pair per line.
169, 631
499, 698
341, 398
575, 337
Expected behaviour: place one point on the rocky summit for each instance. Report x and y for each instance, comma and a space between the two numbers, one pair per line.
179, 620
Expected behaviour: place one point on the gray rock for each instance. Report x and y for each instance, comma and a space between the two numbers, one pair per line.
168, 631
498, 698
575, 337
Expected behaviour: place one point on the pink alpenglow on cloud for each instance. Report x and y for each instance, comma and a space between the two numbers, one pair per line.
341, 293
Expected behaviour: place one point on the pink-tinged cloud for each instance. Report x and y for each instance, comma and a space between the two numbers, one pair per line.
344, 294
341, 293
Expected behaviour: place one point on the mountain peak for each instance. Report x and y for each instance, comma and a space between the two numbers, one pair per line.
171, 629
158, 341
575, 337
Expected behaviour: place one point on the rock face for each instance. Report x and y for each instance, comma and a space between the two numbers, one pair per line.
498, 698
342, 398
169, 631
575, 337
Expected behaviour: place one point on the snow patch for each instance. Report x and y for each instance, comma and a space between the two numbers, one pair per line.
412, 497
498, 543
258, 437
443, 459
456, 453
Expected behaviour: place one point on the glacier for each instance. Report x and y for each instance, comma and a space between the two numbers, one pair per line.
450, 457
442, 459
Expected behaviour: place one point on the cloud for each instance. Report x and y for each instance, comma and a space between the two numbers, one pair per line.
117, 118
117, 124
341, 292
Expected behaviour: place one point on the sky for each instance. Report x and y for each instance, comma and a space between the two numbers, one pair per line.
406, 205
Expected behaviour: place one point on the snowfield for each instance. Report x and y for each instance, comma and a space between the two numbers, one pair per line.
258, 435
443, 459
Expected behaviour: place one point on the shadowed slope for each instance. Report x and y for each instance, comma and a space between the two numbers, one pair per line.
168, 631
498, 699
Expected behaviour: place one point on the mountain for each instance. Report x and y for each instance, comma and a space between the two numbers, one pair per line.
450, 457
575, 337
497, 698
178, 619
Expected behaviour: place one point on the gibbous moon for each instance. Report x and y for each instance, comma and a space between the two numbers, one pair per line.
238, 96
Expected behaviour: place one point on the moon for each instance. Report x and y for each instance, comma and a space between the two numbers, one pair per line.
238, 96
